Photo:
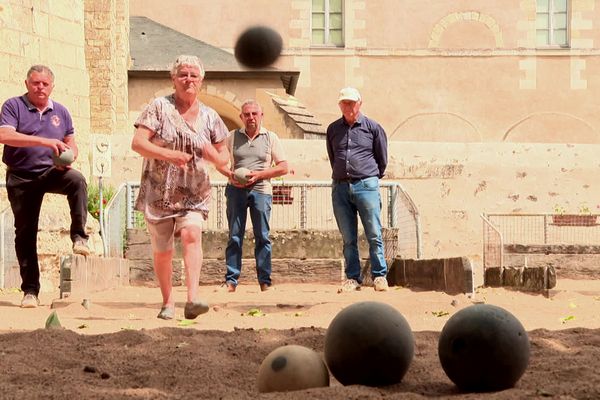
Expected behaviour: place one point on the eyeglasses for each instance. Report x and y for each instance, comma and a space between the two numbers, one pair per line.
189, 76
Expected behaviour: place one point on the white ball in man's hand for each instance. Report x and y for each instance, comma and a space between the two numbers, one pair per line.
65, 158
241, 175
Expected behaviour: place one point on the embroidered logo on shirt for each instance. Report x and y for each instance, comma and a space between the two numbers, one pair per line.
55, 120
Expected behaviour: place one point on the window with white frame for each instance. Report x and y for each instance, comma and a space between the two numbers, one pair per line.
327, 23
552, 23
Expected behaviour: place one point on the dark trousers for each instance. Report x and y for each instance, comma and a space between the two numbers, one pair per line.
25, 193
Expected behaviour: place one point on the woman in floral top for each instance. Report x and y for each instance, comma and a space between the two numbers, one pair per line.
177, 135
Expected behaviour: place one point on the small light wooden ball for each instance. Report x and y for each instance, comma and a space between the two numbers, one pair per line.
292, 367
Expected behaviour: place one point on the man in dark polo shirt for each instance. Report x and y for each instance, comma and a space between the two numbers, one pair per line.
32, 129
357, 150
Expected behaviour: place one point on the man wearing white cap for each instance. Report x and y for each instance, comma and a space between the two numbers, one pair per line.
357, 149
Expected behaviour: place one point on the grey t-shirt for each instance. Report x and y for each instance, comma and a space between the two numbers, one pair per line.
256, 154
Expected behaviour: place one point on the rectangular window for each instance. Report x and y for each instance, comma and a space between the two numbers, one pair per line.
552, 23
327, 23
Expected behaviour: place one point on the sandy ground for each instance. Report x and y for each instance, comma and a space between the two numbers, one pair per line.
117, 348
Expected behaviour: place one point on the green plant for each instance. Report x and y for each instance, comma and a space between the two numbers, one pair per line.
584, 209
558, 209
138, 220
94, 198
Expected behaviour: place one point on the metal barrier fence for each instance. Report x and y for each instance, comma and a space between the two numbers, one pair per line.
296, 205
8, 257
502, 230
115, 223
493, 245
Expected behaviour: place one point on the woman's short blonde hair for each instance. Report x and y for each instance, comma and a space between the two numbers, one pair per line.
191, 61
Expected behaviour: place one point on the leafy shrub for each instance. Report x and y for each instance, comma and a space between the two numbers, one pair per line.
94, 198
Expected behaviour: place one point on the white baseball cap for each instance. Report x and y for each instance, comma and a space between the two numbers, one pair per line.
349, 93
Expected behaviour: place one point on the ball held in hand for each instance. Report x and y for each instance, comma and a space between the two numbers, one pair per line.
65, 158
241, 175
258, 47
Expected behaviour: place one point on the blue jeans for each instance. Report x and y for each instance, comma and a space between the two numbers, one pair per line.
362, 197
238, 202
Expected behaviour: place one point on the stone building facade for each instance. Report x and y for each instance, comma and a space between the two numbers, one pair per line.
441, 71
448, 81
85, 43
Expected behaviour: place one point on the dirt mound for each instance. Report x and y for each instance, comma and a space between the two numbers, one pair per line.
172, 363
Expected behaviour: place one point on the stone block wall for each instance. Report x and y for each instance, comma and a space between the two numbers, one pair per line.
50, 33
81, 275
298, 256
529, 279
451, 275
107, 59
86, 45
54, 242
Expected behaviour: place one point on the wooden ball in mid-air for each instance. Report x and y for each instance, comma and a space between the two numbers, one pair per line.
290, 368
258, 47
483, 348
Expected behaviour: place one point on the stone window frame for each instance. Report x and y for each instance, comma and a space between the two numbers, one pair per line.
327, 14
546, 23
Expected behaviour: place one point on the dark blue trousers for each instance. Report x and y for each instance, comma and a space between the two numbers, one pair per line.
26, 192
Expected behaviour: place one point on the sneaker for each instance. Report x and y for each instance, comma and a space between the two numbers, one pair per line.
350, 285
80, 247
30, 300
381, 284
194, 308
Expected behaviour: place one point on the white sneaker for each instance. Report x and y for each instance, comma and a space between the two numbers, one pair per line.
381, 284
30, 300
350, 285
80, 247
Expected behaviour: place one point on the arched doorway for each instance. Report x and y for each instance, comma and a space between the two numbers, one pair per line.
227, 111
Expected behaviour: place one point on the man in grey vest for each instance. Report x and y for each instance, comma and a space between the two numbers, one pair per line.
259, 152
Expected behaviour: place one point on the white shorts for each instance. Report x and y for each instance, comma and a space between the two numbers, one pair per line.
163, 231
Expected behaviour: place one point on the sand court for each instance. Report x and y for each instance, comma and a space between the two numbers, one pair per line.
116, 347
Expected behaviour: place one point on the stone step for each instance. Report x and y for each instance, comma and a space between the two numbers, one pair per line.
295, 244
80, 275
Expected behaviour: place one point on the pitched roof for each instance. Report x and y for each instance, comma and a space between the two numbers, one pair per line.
300, 115
154, 47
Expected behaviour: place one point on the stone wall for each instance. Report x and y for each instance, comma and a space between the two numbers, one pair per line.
304, 256
452, 184
297, 256
107, 59
440, 71
524, 278
86, 46
53, 242
40, 32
